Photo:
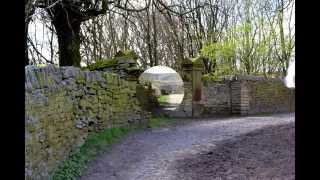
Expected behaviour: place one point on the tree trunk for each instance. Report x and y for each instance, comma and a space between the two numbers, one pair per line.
68, 32
154, 23
29, 10
149, 43
26, 58
284, 59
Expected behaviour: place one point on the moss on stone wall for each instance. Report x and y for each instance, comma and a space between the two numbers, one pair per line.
113, 62
61, 114
102, 64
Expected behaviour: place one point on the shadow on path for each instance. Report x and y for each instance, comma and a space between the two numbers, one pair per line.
266, 153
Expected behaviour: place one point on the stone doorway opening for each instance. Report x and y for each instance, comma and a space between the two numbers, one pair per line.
167, 86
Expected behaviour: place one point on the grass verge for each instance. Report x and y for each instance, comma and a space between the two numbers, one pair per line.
76, 163
74, 166
163, 99
161, 122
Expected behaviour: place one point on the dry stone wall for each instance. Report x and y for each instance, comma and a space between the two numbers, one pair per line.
238, 95
216, 98
64, 105
269, 96
246, 95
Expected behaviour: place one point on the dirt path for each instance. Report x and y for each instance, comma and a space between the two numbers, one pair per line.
175, 153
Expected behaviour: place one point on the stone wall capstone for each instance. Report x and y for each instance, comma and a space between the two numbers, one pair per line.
64, 105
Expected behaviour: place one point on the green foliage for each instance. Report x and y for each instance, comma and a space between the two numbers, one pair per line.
163, 99
223, 54
211, 77
255, 46
209, 50
75, 164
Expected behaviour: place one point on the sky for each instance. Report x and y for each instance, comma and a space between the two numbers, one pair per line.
41, 34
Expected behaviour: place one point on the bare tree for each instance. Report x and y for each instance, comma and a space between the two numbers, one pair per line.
67, 16
166, 32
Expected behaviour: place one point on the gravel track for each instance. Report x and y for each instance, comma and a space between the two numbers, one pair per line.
178, 152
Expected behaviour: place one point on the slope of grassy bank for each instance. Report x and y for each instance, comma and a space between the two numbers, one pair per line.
75, 165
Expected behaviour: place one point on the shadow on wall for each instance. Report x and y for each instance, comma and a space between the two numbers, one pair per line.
147, 97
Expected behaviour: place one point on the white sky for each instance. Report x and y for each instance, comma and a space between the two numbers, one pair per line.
41, 35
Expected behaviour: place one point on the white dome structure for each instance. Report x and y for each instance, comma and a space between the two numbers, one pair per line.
160, 70
165, 81
161, 74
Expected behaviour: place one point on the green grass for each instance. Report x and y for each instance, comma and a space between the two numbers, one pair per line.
163, 99
75, 164
161, 122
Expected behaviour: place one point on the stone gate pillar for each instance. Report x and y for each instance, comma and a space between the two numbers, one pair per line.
192, 77
186, 75
239, 96
197, 87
